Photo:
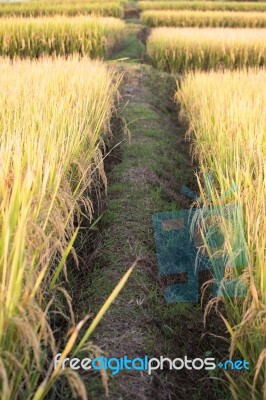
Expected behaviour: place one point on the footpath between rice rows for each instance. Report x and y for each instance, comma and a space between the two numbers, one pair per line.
145, 176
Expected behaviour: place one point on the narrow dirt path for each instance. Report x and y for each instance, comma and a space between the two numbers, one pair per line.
152, 167
145, 175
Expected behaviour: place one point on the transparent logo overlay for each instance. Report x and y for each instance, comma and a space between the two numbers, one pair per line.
146, 363
211, 239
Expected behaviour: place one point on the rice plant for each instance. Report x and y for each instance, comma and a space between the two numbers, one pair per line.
187, 18
39, 9
34, 37
226, 112
202, 5
176, 50
54, 116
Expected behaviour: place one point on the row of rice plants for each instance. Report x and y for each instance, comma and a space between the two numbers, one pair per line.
33, 37
235, 1
226, 112
176, 50
202, 5
54, 116
46, 2
38, 9
187, 18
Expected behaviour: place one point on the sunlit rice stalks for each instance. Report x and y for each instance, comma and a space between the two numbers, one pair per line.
40, 9
45, 2
202, 5
226, 112
54, 114
176, 50
154, 18
34, 37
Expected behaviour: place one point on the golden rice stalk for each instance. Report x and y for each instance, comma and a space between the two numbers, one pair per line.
226, 112
176, 50
197, 5
188, 18
54, 115
64, 36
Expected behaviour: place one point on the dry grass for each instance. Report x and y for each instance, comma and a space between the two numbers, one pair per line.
34, 37
186, 18
227, 117
54, 115
176, 50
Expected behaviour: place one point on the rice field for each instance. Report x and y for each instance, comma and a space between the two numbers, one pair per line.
40, 9
35, 37
187, 18
59, 110
226, 112
202, 5
56, 109
176, 50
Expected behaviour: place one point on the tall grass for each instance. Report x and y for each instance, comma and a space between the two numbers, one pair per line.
176, 50
40, 9
33, 37
186, 18
202, 5
227, 117
54, 116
